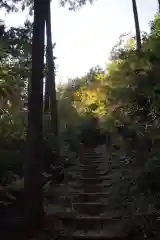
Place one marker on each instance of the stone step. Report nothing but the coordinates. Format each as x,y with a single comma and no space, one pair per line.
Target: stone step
100,166
101,234
99,172
92,180
99,179
84,173
93,165
110,204
95,174
90,194
80,177
92,158
108,191
89,208
81,173
92,222
87,174
91,188
94,170
80,166
92,153
114,175
90,197
104,185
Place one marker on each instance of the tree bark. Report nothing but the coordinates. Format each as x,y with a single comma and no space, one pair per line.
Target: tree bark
159,6
1,29
47,89
33,180
51,80
137,27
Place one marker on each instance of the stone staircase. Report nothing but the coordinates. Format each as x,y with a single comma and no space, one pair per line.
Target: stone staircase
93,199
95,189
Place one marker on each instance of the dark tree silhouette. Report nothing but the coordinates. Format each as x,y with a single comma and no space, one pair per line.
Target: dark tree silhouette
33,180
1,28
75,4
47,89
136,19
159,6
51,101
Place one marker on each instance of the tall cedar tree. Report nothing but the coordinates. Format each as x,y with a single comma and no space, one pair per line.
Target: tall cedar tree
136,19
159,6
1,28
51,100
33,179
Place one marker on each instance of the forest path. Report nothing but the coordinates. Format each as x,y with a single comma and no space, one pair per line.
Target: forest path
98,197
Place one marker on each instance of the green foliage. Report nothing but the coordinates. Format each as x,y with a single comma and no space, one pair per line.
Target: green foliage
75,4
16,5
21,5
125,99
12,157
15,61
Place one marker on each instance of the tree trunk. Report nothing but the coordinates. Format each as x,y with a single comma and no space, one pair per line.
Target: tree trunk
47,89
1,28
159,6
46,99
138,34
51,80
33,180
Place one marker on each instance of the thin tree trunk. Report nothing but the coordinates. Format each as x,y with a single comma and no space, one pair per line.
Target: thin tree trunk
159,6
51,79
47,89
138,34
33,180
46,100
1,28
